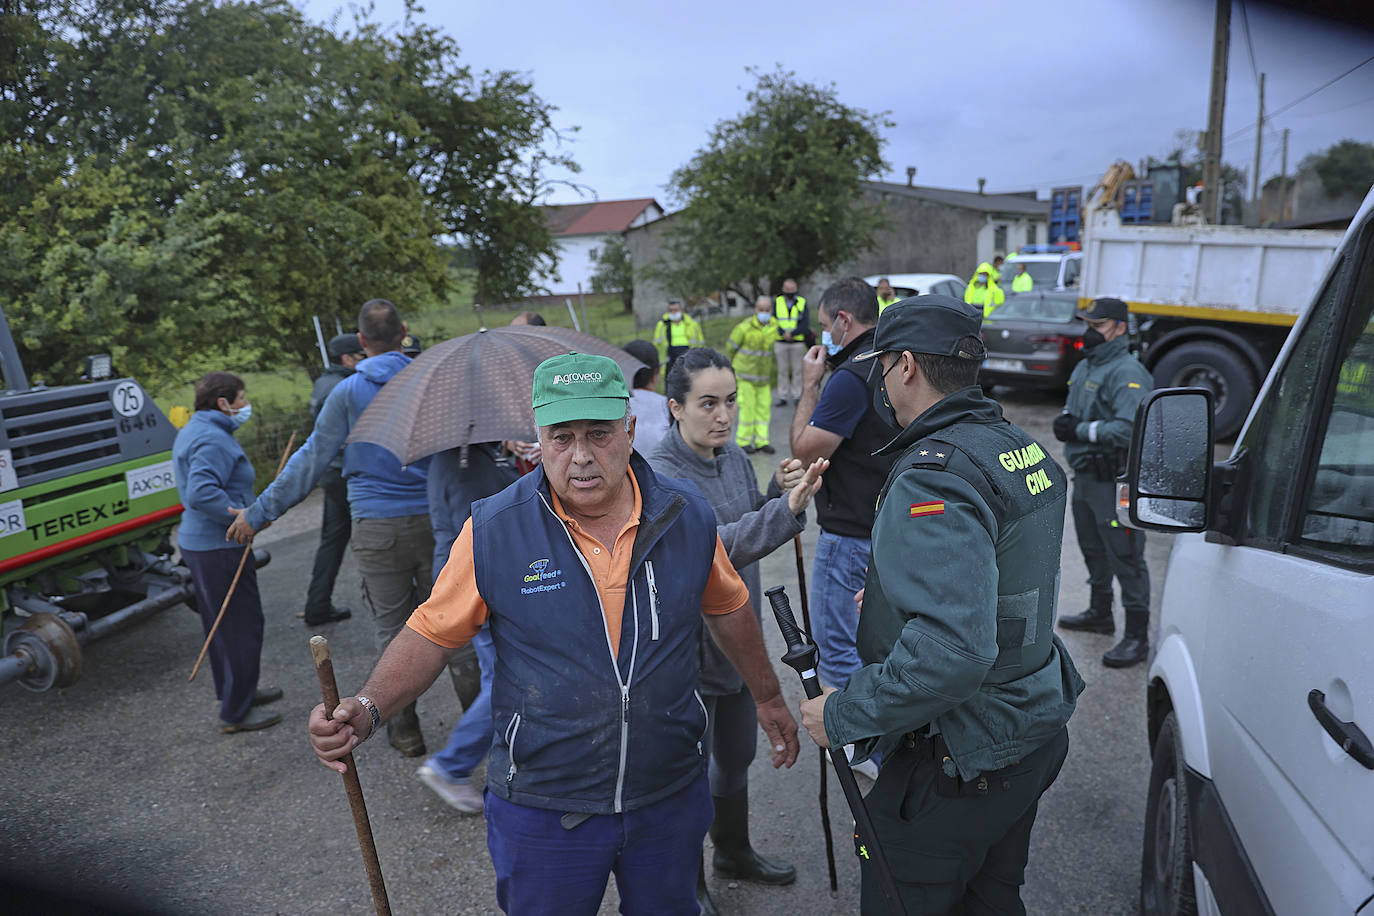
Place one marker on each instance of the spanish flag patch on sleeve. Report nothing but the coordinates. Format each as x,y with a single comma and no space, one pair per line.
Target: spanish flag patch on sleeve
931,508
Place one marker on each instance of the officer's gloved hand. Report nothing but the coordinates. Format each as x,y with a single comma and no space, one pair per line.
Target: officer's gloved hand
1066,427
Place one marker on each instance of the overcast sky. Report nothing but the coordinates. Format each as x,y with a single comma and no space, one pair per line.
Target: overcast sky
1026,95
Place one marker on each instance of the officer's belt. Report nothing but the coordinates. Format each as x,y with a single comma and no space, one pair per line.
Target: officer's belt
926,747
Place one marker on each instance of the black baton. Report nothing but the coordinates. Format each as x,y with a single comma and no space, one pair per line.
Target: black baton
801,656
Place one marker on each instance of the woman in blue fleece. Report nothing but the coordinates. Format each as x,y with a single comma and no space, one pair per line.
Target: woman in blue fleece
213,474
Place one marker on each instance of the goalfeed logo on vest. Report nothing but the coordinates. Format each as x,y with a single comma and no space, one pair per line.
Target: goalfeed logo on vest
536,580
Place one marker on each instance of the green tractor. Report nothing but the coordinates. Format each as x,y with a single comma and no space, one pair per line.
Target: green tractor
88,502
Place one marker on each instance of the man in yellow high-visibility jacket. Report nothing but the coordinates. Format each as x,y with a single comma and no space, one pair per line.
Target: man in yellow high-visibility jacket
675,334
751,354
794,325
886,295
1022,282
984,292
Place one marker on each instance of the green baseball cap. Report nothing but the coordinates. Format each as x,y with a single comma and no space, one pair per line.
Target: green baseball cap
578,386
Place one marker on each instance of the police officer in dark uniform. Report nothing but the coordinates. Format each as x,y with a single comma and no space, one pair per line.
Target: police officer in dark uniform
336,525
965,689
1095,427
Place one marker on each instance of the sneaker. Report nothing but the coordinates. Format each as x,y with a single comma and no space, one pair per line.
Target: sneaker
463,797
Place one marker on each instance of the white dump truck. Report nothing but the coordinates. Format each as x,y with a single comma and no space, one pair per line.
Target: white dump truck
1212,305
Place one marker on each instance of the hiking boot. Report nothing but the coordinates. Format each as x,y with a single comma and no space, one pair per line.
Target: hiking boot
734,856
1097,618
1134,648
403,731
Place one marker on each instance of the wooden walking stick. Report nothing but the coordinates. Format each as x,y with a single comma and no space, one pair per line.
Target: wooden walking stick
324,668
825,792
247,549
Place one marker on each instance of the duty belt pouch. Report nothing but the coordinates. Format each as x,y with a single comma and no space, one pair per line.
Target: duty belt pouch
952,786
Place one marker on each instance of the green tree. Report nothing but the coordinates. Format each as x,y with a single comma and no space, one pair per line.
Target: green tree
775,193
613,270
1347,168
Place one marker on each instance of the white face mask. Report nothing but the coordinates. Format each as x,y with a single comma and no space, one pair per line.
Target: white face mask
674,316
240,416
764,317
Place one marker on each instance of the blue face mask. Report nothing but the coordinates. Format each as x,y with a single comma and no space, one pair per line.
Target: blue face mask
764,317
828,341
240,416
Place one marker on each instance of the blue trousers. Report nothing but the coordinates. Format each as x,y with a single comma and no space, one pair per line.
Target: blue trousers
471,737
654,853
839,571
236,650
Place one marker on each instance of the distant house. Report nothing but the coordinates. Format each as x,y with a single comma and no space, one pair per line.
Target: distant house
930,230
579,229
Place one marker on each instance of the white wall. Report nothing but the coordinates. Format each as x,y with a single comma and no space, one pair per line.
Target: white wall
574,263
1018,230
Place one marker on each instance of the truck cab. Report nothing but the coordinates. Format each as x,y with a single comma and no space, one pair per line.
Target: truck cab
1260,703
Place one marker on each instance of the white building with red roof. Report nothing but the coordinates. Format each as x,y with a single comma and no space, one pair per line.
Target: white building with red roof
580,229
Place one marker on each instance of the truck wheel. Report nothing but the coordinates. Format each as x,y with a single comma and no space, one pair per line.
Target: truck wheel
1201,364
1166,863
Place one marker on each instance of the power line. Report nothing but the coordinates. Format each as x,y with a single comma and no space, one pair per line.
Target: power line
1249,44
1302,98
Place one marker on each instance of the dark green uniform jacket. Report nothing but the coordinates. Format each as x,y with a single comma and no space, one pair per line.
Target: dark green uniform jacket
956,631
1104,391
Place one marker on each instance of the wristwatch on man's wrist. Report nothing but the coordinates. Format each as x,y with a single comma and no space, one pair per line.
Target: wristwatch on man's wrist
371,708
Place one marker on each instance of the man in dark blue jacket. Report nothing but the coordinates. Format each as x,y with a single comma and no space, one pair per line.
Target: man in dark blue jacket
594,575
392,539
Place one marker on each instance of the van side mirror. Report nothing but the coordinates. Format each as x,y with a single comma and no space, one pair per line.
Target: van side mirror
1169,470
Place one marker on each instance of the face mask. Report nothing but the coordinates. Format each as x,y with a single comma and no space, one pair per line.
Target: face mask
1092,337
764,317
881,405
240,416
674,316
827,341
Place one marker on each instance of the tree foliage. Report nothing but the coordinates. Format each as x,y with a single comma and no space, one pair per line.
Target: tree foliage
188,181
776,192
613,270
1347,168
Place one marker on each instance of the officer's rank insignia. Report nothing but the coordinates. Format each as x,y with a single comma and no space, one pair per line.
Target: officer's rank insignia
931,508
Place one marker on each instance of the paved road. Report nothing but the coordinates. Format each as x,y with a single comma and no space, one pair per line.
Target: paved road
121,785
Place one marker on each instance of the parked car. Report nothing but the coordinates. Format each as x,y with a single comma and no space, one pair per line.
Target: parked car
905,285
1033,341
1260,695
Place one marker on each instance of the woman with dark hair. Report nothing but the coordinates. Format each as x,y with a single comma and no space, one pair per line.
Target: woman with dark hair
699,446
215,480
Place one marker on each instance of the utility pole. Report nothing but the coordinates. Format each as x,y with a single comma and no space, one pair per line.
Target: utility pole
1259,143
1283,180
1216,107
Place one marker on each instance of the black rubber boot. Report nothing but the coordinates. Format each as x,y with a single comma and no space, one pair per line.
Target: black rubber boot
1135,646
734,857
403,730
1097,618
708,906
466,675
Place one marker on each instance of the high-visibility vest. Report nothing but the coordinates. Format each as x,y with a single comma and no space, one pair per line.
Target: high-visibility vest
788,316
1022,283
884,303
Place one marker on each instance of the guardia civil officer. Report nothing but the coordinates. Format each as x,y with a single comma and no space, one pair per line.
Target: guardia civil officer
965,688
1095,427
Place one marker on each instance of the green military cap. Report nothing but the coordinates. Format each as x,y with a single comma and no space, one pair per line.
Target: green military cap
1105,307
928,324
578,386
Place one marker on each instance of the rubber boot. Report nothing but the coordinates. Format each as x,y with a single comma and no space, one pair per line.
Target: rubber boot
466,675
708,906
1135,646
1098,617
403,730
734,857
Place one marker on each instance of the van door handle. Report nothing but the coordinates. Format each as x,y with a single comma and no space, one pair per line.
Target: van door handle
1347,734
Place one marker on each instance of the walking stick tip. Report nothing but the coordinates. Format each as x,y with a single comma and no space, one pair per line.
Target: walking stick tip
319,649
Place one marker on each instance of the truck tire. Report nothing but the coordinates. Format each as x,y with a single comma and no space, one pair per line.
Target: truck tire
1219,369
1166,862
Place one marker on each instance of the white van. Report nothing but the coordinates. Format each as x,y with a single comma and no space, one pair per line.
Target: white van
1261,690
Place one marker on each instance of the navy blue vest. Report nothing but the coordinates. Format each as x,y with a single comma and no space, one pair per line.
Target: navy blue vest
575,728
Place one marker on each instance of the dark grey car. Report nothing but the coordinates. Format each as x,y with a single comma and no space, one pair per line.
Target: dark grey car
1033,341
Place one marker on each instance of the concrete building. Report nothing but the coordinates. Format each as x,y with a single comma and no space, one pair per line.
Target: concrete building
580,229
930,230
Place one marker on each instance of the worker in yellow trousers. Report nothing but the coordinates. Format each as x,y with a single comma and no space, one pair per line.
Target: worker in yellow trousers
751,354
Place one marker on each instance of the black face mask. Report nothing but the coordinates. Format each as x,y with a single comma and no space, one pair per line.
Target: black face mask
1092,337
881,405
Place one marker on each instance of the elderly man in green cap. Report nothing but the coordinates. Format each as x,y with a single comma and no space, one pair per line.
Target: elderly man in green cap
965,689
595,576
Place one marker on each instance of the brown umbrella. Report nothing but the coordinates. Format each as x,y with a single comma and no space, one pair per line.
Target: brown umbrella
471,389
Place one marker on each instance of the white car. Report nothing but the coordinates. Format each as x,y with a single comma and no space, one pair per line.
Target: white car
905,285
1048,270
1260,701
